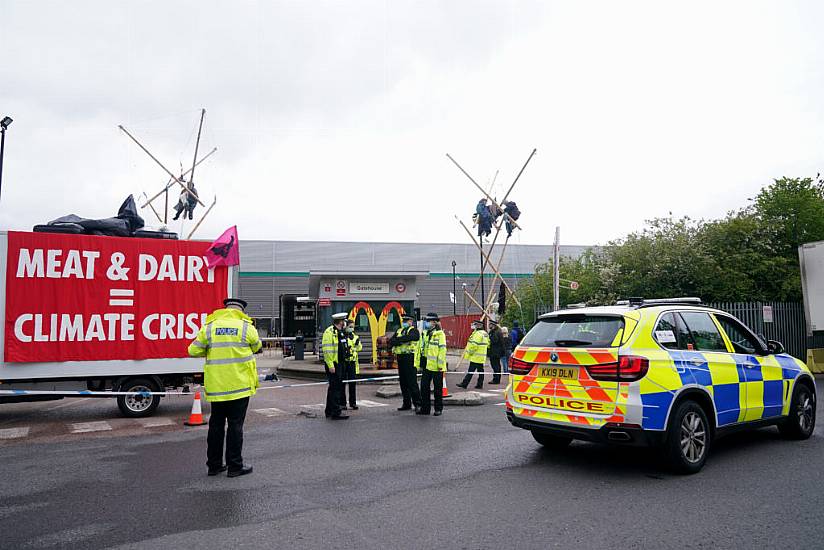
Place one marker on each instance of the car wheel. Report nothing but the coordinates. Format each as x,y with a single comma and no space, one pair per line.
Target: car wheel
552,441
800,423
688,438
138,404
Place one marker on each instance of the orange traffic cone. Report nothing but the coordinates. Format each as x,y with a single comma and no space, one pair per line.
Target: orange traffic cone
196,418
445,392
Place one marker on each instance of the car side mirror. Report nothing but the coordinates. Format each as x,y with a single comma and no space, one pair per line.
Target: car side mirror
775,347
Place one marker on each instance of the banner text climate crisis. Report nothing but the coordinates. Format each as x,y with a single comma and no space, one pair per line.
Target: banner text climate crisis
86,298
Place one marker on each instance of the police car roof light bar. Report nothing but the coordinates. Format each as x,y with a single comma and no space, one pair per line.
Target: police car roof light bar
683,301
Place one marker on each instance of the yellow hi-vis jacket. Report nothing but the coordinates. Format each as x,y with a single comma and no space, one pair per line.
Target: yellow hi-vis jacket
228,341
355,347
420,350
476,347
406,347
435,350
329,347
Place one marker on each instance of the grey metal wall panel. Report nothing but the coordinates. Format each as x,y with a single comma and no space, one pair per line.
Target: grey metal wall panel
259,292
434,294
303,256
288,285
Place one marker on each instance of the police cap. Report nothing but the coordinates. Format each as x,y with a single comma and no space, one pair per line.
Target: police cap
339,316
235,302
432,317
407,317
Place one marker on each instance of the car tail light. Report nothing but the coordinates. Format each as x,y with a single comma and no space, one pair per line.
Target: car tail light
519,367
628,369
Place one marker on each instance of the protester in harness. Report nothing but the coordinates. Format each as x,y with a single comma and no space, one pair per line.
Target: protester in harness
483,218
512,212
186,202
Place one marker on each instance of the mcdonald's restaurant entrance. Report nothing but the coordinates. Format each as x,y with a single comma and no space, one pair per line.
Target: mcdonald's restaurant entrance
375,300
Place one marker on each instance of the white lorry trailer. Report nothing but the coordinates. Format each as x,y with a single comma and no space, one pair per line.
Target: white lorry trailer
89,315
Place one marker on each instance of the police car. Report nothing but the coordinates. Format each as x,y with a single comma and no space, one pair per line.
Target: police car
666,373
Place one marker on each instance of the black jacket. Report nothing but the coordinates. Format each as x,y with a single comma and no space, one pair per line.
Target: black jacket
496,343
412,336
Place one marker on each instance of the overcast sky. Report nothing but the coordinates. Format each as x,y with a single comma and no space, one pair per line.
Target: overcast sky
332,119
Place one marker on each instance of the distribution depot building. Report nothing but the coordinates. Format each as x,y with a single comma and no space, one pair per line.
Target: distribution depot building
383,278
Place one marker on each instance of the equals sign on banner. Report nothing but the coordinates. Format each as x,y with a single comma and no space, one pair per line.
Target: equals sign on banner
121,297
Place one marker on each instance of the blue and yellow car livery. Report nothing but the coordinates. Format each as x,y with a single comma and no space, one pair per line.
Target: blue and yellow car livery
620,374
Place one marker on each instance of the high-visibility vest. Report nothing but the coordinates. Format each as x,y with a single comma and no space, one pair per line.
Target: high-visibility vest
228,341
355,346
476,347
329,347
436,350
420,350
406,347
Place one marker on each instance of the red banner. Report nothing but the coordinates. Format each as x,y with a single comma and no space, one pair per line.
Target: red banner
86,298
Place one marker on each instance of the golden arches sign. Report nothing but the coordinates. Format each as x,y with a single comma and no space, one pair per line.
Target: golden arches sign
377,327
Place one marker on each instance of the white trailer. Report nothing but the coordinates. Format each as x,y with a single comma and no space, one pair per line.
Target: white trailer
141,378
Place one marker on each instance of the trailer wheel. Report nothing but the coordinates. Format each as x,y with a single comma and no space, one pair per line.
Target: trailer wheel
138,404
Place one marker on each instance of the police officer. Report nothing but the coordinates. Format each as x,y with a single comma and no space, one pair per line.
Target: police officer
228,340
404,343
496,350
433,362
335,348
475,353
351,366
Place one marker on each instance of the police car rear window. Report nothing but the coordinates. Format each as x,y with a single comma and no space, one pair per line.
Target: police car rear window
575,331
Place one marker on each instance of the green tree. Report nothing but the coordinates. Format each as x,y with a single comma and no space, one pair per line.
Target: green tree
749,255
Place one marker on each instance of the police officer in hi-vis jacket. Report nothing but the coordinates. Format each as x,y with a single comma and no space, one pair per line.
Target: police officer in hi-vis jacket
228,341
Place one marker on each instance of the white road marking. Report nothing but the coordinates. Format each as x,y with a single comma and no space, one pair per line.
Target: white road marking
155,422
366,403
501,403
270,412
317,406
486,394
84,427
14,433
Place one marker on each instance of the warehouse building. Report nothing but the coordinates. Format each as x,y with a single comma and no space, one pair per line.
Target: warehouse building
378,279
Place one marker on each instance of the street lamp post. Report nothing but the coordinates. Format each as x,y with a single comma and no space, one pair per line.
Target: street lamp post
5,123
454,291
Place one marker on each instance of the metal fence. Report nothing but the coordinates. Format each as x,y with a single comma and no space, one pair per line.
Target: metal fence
788,324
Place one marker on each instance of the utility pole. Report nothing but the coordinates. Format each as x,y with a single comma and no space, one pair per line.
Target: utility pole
483,299
3,125
454,291
556,269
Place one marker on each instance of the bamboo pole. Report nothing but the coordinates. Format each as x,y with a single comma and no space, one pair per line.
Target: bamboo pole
532,154
488,260
202,218
183,185
474,301
498,274
482,190
153,209
197,144
170,182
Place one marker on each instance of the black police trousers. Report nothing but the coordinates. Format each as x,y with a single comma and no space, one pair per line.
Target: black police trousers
223,412
429,378
333,392
349,374
408,379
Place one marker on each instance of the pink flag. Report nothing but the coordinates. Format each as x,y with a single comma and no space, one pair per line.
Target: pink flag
224,251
